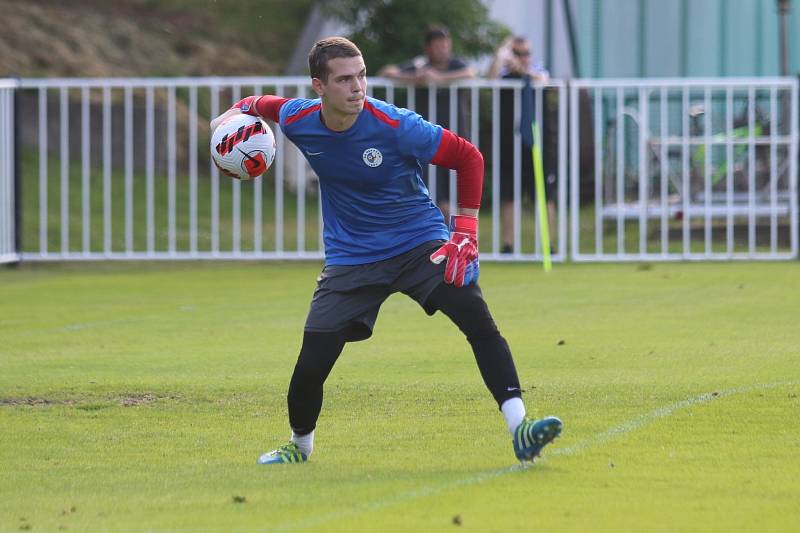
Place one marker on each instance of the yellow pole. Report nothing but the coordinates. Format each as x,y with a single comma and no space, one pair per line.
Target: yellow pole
541,201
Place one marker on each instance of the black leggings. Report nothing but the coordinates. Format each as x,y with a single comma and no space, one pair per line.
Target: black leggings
464,306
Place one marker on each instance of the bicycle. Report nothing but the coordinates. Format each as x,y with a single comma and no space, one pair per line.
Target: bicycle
679,156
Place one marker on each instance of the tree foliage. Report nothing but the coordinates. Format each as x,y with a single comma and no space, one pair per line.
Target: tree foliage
392,31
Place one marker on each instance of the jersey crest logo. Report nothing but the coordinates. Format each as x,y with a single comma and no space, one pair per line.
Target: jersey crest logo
372,157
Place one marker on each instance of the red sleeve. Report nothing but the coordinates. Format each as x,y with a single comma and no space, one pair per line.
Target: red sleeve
458,153
266,106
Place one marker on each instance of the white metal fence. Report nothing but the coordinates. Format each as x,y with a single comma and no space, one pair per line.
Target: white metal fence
8,252
119,169
659,169
685,169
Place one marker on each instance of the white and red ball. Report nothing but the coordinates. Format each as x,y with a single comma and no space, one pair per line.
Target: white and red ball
243,147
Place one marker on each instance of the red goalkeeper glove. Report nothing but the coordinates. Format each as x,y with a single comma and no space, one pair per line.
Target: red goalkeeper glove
461,251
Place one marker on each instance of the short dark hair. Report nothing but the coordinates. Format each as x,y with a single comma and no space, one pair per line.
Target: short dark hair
436,32
326,49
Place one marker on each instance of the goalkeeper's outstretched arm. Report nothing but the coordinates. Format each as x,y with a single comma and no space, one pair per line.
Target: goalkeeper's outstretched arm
267,106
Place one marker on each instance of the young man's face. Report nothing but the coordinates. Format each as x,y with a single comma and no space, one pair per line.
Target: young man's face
438,50
346,86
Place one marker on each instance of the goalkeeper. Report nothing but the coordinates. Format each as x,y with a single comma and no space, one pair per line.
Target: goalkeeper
383,234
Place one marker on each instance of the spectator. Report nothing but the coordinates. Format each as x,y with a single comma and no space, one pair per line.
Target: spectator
437,67
513,60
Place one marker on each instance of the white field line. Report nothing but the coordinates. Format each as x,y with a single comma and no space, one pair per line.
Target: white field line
610,434
661,412
94,324
80,326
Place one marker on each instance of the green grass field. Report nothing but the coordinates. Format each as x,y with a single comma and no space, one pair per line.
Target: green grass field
138,396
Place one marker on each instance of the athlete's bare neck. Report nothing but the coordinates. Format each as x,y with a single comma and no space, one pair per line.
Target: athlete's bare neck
337,121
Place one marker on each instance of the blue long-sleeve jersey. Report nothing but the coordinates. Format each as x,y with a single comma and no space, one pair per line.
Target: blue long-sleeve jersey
374,202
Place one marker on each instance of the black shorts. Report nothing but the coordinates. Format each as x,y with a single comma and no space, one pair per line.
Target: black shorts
350,296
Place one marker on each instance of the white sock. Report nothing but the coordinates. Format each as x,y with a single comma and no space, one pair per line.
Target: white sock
305,443
514,412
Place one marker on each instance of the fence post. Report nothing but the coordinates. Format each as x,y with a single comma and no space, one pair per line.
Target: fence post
17,151
9,182
793,131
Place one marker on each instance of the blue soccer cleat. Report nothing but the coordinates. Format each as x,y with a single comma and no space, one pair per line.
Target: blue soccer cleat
288,453
531,436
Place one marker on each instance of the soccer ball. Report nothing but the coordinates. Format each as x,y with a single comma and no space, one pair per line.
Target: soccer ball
243,147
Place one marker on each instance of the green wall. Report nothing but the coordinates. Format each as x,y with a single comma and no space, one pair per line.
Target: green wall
658,38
